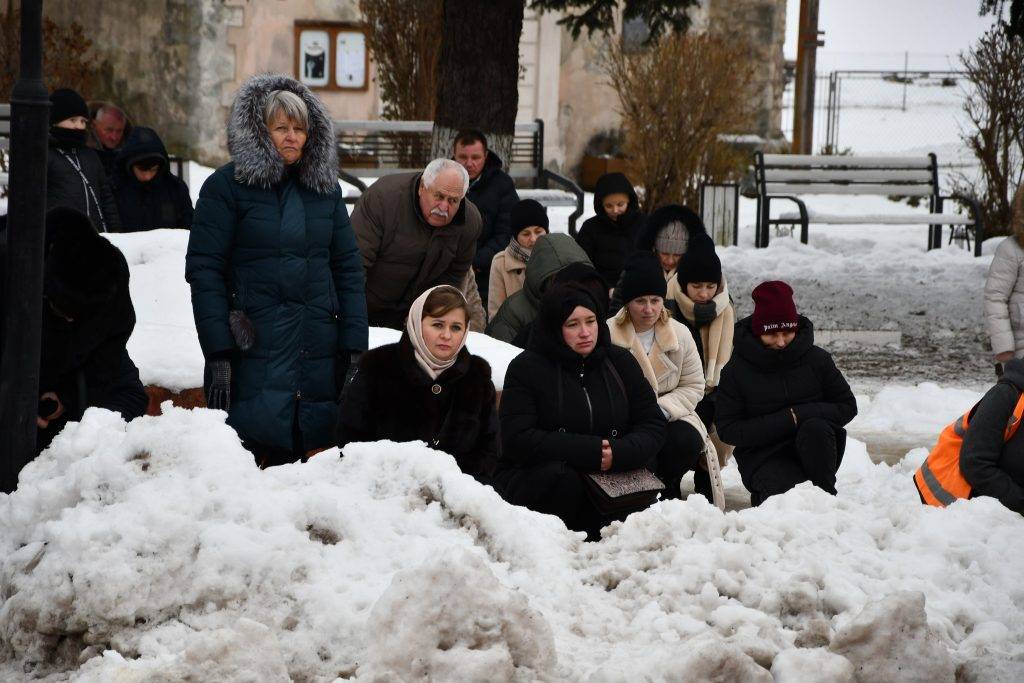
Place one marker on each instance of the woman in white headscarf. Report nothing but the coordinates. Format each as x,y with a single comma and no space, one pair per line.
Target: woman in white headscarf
427,387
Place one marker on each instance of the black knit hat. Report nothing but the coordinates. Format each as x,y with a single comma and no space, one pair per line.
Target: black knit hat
65,103
528,213
700,263
642,276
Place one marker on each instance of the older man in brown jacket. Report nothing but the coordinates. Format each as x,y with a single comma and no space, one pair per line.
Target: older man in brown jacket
415,231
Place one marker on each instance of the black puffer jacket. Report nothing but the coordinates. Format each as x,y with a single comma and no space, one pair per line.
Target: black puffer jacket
87,319
65,186
992,467
608,242
494,194
163,202
391,397
558,406
758,388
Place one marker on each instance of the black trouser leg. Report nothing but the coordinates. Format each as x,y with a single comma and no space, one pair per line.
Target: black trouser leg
776,476
817,452
554,488
680,454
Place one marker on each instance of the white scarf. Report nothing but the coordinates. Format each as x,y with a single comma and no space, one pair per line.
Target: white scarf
414,328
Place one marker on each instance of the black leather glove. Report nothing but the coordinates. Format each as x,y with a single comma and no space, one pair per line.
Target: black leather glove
218,385
704,313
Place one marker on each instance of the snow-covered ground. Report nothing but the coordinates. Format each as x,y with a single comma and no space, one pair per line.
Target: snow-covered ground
157,551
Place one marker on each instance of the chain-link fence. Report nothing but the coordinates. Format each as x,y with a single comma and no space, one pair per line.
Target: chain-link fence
888,112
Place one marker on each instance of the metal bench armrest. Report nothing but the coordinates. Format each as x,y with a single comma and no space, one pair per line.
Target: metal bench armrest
572,187
352,180
974,207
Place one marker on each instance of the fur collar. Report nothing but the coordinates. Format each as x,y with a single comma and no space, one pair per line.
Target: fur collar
257,163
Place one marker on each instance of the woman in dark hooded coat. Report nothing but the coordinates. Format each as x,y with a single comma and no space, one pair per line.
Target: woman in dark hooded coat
609,236
87,319
573,403
276,276
148,195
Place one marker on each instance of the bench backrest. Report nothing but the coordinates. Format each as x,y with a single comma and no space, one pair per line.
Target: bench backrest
372,149
796,174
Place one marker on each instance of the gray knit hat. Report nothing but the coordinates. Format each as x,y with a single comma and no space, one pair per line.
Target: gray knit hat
672,239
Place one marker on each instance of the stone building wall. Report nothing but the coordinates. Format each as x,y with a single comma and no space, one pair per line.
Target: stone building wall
176,64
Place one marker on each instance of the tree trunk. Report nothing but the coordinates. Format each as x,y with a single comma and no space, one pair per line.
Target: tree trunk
478,73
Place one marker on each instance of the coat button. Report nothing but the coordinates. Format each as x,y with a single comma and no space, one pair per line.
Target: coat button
436,389
298,395
615,432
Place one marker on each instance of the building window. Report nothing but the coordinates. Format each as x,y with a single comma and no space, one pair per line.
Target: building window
331,55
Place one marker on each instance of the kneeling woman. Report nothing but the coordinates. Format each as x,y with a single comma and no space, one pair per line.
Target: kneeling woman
670,361
782,401
573,404
427,387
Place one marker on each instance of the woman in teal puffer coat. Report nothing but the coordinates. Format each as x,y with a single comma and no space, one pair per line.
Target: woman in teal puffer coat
276,276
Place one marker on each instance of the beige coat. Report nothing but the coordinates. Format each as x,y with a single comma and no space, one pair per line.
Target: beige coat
672,368
507,276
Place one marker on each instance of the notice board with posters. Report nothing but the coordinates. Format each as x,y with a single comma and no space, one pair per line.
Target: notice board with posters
332,55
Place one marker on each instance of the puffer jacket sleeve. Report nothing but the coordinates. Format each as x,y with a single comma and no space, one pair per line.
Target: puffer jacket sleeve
110,212
1002,278
356,418
983,446
184,202
735,427
839,406
206,263
349,282
523,439
682,401
504,325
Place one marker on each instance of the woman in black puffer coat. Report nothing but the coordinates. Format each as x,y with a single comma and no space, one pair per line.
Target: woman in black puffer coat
610,236
782,402
427,387
573,404
75,176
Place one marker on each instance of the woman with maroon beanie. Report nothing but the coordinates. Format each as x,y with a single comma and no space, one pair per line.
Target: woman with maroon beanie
782,402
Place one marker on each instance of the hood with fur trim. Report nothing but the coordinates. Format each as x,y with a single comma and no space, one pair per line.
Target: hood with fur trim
257,163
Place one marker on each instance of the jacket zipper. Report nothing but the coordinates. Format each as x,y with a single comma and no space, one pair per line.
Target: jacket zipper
586,395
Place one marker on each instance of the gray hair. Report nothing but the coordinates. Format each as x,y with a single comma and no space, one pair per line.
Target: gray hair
438,166
288,103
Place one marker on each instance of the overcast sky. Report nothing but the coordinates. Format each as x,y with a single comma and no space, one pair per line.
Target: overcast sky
874,34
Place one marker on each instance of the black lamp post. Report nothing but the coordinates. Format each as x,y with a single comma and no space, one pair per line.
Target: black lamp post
19,369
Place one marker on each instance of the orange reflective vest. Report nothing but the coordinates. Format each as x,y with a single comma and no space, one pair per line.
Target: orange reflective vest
938,479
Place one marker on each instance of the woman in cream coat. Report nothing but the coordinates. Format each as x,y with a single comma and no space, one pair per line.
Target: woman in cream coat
1004,290
668,356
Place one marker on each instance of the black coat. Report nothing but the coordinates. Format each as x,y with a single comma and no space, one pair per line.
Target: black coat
609,242
557,407
759,386
494,194
391,397
65,187
163,202
991,466
87,319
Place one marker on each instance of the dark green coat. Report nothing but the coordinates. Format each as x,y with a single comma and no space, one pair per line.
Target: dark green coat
288,258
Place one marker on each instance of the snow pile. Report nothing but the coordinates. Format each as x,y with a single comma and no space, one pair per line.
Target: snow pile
922,410
158,550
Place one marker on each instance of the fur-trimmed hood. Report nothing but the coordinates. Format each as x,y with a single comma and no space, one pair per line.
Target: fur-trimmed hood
257,163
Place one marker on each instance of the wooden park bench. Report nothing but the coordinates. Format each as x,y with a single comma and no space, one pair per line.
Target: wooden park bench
373,149
787,176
